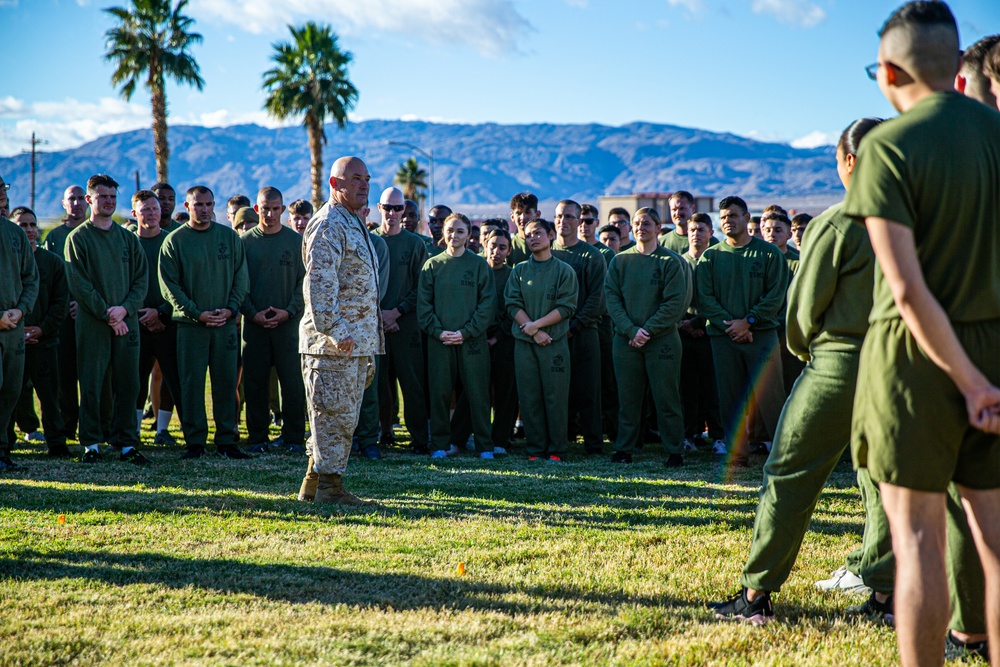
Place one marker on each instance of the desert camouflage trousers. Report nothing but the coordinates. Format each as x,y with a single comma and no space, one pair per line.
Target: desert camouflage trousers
334,388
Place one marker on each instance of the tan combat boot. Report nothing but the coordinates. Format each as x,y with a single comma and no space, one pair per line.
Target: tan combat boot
307,492
331,490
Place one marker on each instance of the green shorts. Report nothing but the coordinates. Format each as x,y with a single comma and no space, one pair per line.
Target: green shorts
910,425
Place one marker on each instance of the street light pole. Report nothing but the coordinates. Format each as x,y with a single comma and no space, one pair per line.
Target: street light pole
427,154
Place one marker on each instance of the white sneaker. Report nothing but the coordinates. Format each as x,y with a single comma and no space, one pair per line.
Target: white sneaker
720,448
843,580
499,451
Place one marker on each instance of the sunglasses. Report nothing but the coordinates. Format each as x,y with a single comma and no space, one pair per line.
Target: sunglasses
392,207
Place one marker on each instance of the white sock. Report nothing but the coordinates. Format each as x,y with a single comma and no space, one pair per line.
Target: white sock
126,450
93,448
163,420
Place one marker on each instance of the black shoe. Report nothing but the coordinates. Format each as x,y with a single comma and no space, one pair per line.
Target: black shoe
760,448
594,450
387,439
164,438
738,608
421,450
7,465
232,452
621,457
675,461
59,452
278,443
956,649
371,452
90,456
296,449
133,456
259,448
873,608
194,452
519,432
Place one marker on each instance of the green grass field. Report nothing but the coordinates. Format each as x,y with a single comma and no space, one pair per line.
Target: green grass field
586,563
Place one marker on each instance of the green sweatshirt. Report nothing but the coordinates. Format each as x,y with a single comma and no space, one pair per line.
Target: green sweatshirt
518,250
538,288
52,305
831,297
407,254
607,253
18,274
502,322
650,292
792,258
456,294
275,272
591,270
748,281
105,268
680,244
203,270
155,297
55,240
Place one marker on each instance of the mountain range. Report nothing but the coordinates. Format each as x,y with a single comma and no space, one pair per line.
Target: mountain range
474,165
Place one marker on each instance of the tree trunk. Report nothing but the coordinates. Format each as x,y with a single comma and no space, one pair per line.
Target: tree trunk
161,148
315,131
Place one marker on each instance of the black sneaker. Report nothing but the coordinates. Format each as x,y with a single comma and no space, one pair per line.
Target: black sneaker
7,465
621,457
956,649
232,452
259,448
91,456
59,452
133,456
675,461
875,609
164,438
296,449
194,452
738,608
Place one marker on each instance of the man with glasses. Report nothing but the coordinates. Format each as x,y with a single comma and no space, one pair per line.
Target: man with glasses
621,219
590,220
41,336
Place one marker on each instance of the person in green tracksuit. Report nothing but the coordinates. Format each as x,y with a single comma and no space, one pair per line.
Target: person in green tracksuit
741,285
455,305
203,274
107,273
584,341
272,310
541,297
18,292
682,207
828,307
648,291
403,357
366,433
776,228
523,209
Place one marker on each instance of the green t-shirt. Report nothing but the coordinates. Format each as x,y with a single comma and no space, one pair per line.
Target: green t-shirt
456,294
651,292
407,254
538,288
936,170
831,297
275,272
591,270
105,268
738,282
203,270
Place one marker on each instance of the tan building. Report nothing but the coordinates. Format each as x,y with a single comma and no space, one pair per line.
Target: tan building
660,201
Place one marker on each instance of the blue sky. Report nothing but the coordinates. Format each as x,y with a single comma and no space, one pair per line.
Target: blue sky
781,70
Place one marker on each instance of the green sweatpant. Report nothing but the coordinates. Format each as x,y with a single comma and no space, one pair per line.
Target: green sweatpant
469,363
744,371
813,431
41,370
609,387
367,431
656,365
585,392
875,561
201,349
262,349
543,379
101,354
966,581
504,398
404,356
11,373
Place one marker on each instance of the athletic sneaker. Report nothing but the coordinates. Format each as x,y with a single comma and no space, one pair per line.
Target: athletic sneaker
133,456
232,452
689,445
194,452
956,649
675,461
843,580
439,454
90,456
296,449
760,448
719,448
532,457
621,457
486,455
499,451
258,448
739,608
35,436
873,608
372,452
59,452
555,459
164,438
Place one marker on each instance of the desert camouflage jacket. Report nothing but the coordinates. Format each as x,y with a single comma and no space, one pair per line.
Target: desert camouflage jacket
341,286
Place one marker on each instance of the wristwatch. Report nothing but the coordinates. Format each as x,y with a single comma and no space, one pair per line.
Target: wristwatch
751,320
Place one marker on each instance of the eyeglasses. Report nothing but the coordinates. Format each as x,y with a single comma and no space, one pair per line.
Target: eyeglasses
392,207
872,70
6,186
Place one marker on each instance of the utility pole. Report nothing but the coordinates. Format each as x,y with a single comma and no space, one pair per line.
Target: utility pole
34,142
137,188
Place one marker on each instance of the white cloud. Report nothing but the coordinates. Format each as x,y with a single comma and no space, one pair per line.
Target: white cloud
815,139
492,27
797,12
693,6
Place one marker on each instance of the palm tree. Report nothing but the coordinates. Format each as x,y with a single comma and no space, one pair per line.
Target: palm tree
412,179
311,79
152,42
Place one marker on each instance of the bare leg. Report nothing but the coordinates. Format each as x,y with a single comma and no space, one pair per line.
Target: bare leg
983,509
916,520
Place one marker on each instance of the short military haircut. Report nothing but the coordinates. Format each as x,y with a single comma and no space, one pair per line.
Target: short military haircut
141,196
921,38
100,181
442,208
683,194
461,217
161,185
974,56
701,219
780,219
618,210
732,202
651,212
991,64
22,210
611,229
802,219
569,202
588,209
181,216
236,202
301,207
524,201
494,222
774,208
268,192
203,190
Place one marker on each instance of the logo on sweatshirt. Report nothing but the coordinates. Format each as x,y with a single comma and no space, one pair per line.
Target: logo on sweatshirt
223,251
286,258
558,364
467,280
657,278
757,269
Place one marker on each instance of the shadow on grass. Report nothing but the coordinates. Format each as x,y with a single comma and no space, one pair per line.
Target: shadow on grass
312,583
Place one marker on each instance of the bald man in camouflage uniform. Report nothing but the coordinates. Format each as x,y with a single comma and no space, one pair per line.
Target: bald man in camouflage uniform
341,329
